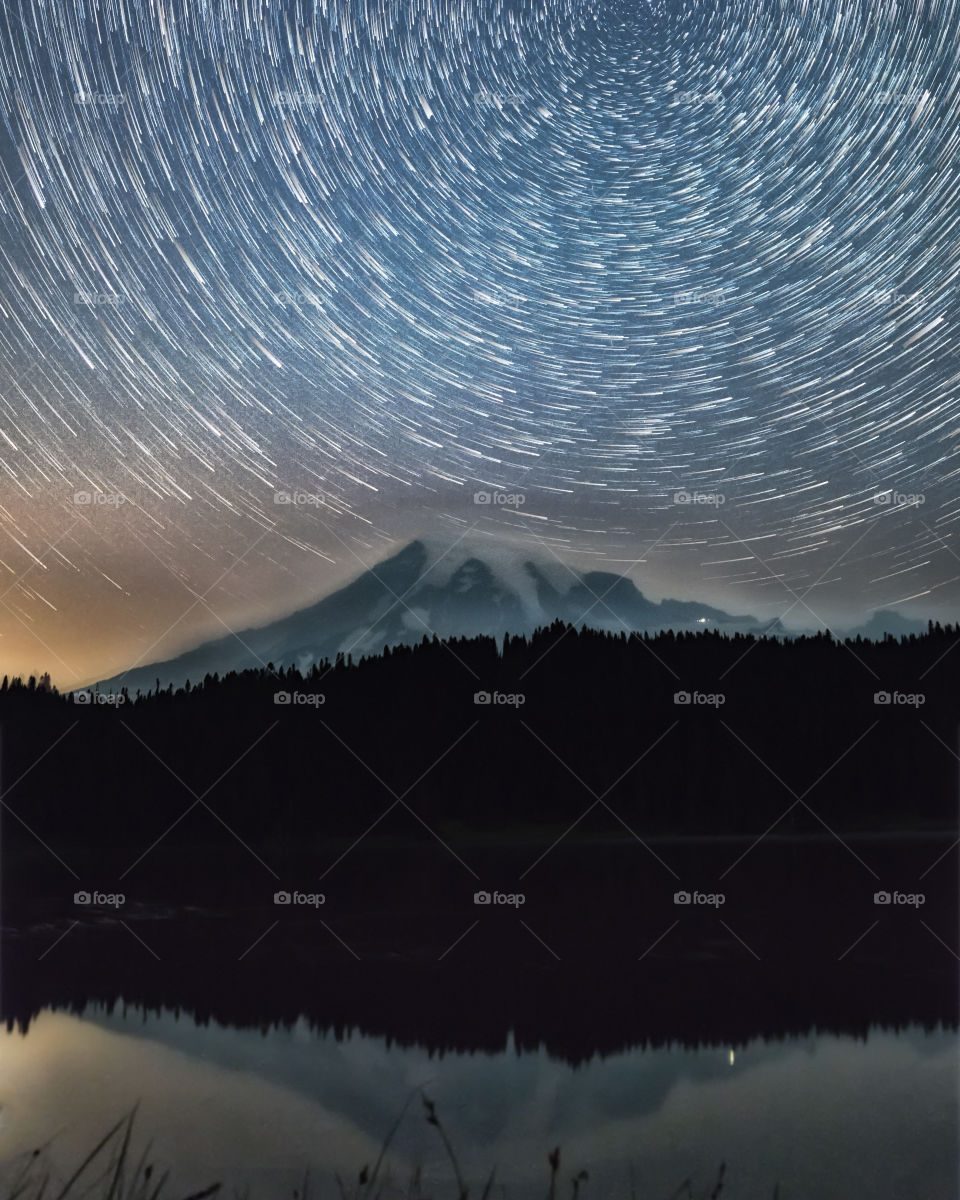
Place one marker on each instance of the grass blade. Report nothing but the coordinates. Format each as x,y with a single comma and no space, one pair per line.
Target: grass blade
386,1142
89,1159
122,1156
207,1191
487,1187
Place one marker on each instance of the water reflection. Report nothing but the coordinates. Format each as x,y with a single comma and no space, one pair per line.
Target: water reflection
830,1116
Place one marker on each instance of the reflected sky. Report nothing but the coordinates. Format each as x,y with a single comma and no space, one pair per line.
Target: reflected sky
826,1116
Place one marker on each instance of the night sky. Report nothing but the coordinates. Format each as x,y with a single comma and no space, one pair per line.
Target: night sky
381,255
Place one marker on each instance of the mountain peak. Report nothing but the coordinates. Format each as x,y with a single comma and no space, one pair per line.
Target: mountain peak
462,588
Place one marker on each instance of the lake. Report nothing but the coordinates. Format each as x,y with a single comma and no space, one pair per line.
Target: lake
799,1030
827,1116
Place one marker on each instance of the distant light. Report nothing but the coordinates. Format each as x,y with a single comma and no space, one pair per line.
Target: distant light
701,620
731,1058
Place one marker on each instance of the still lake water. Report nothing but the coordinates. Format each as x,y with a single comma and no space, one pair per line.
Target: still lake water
803,1034
827,1116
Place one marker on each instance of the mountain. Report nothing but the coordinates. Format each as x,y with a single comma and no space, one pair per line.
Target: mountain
425,589
887,620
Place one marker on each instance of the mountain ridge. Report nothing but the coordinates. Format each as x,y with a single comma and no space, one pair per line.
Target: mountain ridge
460,591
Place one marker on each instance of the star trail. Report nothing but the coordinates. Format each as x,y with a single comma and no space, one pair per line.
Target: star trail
680,273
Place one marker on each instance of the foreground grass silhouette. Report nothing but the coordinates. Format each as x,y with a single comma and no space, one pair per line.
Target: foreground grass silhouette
109,1173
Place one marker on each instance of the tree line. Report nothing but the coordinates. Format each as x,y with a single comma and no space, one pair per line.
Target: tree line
681,732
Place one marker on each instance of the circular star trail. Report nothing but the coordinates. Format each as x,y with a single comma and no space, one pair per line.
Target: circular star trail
600,253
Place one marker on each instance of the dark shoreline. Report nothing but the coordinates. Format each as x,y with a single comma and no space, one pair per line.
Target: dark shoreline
573,1016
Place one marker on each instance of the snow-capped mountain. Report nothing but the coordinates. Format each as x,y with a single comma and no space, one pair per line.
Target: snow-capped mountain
429,589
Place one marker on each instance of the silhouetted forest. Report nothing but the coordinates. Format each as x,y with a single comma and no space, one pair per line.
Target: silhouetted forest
398,795
794,712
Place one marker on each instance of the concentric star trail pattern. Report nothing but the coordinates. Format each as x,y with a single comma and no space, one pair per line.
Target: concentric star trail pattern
604,254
